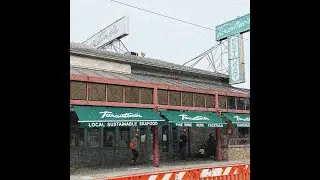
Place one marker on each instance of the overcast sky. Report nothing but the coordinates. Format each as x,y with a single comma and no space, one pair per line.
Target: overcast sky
159,37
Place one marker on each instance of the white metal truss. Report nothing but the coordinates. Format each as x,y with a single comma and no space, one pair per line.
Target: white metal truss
115,46
217,56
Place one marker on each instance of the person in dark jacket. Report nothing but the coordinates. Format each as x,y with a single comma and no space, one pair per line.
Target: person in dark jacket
211,146
182,144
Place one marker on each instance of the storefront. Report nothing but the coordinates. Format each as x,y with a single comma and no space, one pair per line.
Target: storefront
237,145
115,96
199,126
107,132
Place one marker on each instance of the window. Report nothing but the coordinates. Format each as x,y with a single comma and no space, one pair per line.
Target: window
108,137
187,99
132,95
76,133
175,133
244,132
115,93
222,102
163,97
231,103
146,96
124,136
165,136
175,139
240,103
199,100
78,90
143,134
174,98
247,104
97,92
241,136
94,135
224,138
210,101
80,142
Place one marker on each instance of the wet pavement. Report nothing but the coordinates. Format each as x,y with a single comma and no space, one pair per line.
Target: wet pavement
94,173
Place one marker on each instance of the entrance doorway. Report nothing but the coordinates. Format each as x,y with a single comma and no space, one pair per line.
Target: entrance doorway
200,136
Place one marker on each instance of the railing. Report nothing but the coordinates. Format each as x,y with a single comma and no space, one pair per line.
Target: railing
238,171
239,141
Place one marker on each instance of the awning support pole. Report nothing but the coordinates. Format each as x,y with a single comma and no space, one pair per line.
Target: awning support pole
218,130
155,131
155,146
219,150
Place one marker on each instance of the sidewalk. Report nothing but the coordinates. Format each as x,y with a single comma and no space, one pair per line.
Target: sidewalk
87,173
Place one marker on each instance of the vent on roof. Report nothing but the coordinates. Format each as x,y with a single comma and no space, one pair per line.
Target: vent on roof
136,54
132,53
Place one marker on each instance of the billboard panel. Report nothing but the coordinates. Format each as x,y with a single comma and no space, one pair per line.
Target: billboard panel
239,25
116,30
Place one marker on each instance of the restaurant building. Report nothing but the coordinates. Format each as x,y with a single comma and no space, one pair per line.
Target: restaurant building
114,96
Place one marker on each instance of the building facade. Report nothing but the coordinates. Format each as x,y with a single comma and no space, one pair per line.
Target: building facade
148,96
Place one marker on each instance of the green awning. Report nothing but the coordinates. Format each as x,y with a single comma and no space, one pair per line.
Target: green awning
94,116
193,119
239,120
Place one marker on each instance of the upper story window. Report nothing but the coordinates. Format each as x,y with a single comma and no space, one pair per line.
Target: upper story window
210,101
132,95
199,100
146,96
240,103
78,90
247,103
163,97
115,93
222,102
174,98
231,103
187,99
97,92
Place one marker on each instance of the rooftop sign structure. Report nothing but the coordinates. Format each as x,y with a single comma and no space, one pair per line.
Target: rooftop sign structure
239,25
111,33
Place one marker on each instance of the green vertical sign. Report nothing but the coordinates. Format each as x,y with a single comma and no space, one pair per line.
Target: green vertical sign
236,72
239,25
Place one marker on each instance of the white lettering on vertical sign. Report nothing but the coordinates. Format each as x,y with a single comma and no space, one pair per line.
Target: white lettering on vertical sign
233,51
235,75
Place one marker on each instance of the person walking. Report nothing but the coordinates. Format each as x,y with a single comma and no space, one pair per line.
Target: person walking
182,144
134,149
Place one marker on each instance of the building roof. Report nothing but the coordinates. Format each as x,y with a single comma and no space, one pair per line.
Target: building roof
141,76
192,83
84,50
